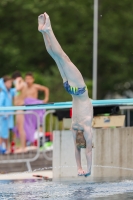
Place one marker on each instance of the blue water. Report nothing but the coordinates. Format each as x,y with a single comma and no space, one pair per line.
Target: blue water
39,190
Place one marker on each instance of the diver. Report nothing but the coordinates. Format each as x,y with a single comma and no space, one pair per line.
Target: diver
82,109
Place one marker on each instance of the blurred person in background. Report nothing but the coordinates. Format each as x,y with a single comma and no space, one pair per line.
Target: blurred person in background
32,92
33,88
21,88
27,94
6,121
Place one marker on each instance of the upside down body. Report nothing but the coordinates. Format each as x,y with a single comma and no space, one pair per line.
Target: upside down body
74,84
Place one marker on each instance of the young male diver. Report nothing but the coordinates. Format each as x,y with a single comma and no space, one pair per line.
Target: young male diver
82,110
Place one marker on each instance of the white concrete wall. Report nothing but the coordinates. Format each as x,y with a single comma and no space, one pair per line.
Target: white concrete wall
64,164
112,147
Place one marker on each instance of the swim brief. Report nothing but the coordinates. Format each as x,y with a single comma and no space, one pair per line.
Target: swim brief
74,90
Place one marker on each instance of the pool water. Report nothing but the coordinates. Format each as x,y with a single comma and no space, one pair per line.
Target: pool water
39,190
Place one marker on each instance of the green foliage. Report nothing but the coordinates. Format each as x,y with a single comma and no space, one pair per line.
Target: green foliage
22,46
115,57
54,82
89,86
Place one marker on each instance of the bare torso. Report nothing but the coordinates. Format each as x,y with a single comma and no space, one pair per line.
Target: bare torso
32,92
82,111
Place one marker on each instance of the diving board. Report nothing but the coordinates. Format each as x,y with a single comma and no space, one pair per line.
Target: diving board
62,105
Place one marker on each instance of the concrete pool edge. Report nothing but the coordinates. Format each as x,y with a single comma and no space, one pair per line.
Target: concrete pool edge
93,179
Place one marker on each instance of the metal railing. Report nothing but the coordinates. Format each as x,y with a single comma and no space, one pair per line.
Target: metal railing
128,116
26,157
20,158
44,130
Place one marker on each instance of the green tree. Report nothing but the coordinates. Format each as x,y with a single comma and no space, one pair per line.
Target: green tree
22,47
115,51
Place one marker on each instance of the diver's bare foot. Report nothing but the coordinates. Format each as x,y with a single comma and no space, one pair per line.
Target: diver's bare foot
44,23
41,22
81,172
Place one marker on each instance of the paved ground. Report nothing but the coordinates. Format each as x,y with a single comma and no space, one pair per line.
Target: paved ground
40,162
27,175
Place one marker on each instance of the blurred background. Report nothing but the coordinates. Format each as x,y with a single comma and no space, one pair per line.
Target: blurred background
22,48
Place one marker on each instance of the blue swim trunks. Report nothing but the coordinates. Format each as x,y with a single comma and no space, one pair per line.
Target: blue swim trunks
74,90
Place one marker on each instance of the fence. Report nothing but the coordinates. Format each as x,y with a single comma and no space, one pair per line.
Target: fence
19,158
30,156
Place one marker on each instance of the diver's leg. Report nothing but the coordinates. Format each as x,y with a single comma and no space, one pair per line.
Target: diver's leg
72,74
47,44
41,22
